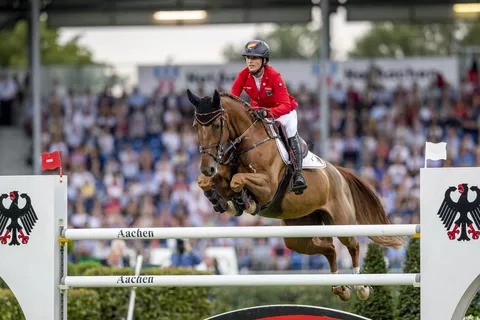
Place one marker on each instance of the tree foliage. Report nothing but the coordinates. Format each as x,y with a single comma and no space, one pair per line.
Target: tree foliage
285,42
409,300
382,40
14,48
402,40
474,308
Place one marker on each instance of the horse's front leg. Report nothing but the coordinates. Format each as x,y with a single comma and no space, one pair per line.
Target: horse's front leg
217,190
257,183
205,183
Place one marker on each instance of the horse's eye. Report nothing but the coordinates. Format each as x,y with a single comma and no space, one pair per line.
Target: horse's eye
216,126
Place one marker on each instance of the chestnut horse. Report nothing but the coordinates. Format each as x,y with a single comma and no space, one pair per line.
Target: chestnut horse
243,171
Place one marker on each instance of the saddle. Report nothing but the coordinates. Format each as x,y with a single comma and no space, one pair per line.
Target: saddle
281,132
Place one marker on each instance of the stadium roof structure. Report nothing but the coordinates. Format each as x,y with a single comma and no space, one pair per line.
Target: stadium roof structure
91,13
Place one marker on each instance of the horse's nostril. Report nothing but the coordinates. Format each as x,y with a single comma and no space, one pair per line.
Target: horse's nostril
208,171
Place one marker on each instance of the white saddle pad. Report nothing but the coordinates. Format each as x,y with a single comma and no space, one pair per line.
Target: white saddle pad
311,161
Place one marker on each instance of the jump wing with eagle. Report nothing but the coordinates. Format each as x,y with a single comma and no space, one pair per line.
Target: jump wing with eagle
475,207
10,217
3,214
448,210
27,214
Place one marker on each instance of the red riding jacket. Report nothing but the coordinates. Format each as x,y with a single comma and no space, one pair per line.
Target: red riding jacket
273,93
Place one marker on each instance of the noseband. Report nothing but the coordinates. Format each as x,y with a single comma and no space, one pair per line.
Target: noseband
227,151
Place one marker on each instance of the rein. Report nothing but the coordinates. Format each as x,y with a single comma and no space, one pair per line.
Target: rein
227,151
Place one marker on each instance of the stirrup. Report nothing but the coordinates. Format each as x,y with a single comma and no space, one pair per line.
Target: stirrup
299,189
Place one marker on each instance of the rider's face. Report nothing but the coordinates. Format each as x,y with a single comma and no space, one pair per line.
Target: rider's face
253,63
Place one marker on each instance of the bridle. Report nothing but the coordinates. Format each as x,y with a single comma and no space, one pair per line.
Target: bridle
227,152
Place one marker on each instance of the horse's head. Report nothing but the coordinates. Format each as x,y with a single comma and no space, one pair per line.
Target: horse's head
211,130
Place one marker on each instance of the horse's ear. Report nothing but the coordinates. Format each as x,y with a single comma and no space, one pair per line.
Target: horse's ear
216,99
193,98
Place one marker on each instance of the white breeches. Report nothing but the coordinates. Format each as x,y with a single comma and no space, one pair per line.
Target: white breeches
289,121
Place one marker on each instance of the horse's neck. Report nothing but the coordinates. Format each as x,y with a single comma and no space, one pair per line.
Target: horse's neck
265,154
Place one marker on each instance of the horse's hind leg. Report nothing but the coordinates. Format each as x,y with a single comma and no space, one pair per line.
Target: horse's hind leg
343,213
323,246
311,246
363,292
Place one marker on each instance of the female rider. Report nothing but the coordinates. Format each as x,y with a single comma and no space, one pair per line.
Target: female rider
266,89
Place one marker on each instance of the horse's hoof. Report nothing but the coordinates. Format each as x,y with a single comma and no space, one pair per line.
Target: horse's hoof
220,206
363,292
241,201
238,213
343,292
231,208
254,208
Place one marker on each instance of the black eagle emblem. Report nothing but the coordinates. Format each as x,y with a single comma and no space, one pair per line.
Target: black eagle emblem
9,219
463,226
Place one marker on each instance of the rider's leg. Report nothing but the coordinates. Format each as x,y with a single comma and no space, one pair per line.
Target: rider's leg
289,121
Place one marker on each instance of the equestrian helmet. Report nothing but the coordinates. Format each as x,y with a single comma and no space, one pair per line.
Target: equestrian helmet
256,48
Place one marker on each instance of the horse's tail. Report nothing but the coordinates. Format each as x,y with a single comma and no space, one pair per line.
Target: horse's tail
369,208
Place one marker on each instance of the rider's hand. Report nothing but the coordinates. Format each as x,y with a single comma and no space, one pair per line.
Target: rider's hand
262,113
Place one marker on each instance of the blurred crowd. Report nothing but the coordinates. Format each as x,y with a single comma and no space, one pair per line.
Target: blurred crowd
133,161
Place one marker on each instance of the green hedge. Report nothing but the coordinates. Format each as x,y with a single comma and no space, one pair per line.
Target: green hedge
160,303
164,303
82,304
176,303
79,269
233,298
3,285
9,307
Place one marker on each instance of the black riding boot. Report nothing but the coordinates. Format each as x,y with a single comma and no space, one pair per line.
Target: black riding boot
299,183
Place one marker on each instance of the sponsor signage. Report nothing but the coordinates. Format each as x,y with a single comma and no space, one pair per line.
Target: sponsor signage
388,72
139,233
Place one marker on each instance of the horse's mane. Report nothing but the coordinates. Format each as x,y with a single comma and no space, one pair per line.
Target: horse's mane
237,99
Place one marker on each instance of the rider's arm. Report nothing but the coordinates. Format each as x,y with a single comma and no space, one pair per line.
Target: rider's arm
237,86
282,98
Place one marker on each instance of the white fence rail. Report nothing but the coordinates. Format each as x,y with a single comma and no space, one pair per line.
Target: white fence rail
243,232
406,279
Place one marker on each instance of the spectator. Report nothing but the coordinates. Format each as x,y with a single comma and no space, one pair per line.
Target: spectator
184,256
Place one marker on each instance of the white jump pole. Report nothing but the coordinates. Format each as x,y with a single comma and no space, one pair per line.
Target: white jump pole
243,232
133,293
244,280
